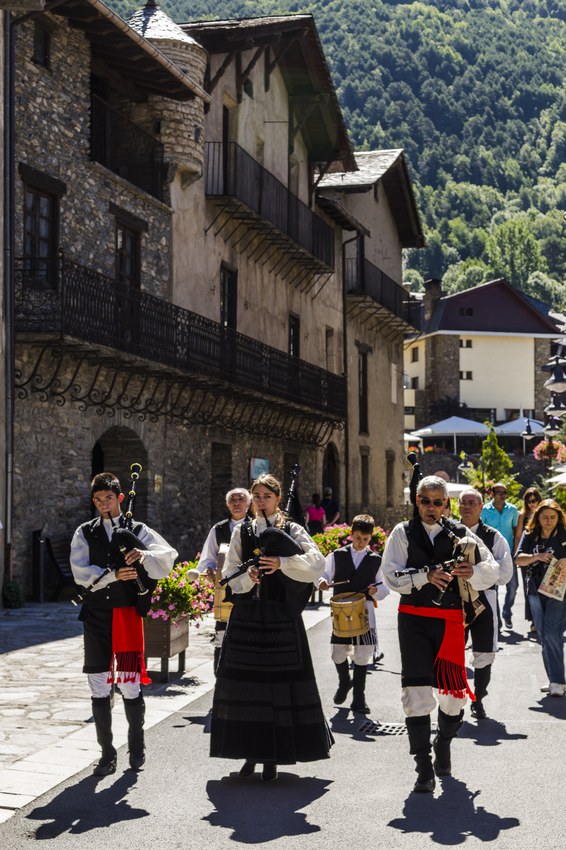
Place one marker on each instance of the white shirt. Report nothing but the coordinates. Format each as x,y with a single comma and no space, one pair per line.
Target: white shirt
158,560
209,554
502,554
358,556
396,553
307,567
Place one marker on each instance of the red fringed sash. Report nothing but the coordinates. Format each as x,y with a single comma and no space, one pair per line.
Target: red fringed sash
128,662
450,663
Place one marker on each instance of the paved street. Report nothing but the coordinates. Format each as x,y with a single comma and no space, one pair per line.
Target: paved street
508,784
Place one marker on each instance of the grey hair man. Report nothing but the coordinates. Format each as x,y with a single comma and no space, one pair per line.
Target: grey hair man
483,631
431,623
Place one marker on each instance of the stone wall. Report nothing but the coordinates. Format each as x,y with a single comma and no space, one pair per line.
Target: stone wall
442,359
542,395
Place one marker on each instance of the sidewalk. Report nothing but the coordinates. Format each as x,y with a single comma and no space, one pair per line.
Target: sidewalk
46,729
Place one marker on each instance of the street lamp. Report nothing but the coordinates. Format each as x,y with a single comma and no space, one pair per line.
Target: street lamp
553,428
557,405
527,434
557,382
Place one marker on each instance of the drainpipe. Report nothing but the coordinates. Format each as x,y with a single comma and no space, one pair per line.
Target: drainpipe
8,203
345,337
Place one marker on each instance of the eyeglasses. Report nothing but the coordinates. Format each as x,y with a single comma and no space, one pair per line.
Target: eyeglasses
424,500
533,500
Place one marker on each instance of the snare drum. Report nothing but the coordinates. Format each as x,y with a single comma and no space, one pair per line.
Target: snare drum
349,615
222,608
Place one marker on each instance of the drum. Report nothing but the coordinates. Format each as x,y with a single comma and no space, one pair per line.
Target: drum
349,615
222,608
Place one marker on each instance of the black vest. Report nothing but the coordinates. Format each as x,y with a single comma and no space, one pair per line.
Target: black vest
117,594
222,532
276,588
422,553
358,579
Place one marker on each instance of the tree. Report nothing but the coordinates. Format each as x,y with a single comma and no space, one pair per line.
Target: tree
494,465
513,252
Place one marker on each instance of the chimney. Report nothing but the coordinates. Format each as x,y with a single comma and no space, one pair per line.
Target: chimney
433,292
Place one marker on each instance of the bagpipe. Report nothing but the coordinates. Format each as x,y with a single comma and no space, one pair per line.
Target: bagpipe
464,550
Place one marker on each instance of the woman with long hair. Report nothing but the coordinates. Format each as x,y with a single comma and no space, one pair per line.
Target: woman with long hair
266,707
543,540
531,499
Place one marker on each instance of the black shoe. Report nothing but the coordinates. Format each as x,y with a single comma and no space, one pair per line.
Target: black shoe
442,764
477,710
105,766
342,693
247,768
360,707
378,657
508,623
269,772
137,762
424,786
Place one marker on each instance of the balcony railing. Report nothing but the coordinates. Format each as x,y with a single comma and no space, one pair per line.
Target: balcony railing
93,308
125,148
231,172
363,278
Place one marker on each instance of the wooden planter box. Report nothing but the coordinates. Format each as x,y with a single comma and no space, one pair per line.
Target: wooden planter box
165,639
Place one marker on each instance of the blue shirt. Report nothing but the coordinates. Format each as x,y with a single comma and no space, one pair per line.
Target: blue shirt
505,521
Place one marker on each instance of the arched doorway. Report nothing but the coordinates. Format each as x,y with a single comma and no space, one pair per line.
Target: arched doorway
115,451
331,471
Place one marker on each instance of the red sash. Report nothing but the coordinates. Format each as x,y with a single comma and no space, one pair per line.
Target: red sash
450,663
128,662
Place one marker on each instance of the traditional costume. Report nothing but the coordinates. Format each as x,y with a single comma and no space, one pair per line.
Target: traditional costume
266,706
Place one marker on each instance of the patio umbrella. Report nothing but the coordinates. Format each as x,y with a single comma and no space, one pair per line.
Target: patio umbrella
454,426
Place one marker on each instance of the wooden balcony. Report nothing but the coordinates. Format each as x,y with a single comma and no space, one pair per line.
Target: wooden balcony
386,303
252,197
89,312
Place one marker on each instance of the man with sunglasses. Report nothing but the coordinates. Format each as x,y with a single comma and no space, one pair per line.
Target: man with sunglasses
503,516
431,627
483,631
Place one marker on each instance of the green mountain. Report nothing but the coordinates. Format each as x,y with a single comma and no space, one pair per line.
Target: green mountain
474,91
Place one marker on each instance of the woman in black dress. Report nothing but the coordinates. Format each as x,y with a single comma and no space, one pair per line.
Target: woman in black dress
266,706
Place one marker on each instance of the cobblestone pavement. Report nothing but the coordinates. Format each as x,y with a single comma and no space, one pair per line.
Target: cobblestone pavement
46,729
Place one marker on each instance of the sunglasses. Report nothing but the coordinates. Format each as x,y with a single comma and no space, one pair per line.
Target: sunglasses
424,500
533,501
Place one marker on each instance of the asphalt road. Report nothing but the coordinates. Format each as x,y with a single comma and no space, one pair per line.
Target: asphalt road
509,783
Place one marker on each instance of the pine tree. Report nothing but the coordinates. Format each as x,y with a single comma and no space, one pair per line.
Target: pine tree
494,465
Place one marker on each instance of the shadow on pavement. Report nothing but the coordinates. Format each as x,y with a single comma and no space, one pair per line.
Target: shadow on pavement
452,817
345,722
276,806
82,807
553,706
489,733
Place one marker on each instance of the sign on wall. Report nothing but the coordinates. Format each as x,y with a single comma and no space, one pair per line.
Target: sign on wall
258,466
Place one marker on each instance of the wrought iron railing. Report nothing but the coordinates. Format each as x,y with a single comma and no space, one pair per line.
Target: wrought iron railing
231,172
125,148
363,278
93,308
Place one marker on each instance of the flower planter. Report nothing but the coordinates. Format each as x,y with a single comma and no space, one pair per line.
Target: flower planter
165,639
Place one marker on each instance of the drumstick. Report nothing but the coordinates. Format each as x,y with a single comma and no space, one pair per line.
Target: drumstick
336,583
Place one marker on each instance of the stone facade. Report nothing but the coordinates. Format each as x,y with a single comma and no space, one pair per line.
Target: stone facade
442,363
542,395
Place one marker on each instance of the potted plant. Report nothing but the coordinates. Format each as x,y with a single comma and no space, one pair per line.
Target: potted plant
176,601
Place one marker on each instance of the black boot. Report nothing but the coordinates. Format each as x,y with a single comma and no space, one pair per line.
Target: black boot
269,772
216,661
481,681
418,729
344,683
102,713
448,726
135,714
359,701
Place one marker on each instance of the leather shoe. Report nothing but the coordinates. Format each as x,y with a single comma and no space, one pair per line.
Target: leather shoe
137,762
424,786
105,766
477,710
269,772
247,768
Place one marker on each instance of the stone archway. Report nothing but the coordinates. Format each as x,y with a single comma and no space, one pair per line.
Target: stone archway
115,451
331,470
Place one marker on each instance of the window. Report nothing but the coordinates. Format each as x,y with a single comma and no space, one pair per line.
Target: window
363,391
364,475
414,355
329,341
409,411
466,311
42,43
41,226
228,298
414,384
465,343
466,376
294,335
127,255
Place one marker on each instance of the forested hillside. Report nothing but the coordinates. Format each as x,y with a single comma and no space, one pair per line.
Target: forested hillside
474,91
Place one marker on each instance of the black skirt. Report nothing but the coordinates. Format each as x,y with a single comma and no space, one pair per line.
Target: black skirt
266,706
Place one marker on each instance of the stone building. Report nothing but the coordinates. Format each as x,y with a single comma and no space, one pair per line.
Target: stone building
479,355
180,298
